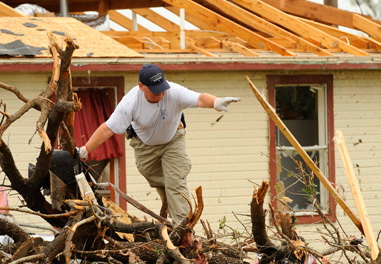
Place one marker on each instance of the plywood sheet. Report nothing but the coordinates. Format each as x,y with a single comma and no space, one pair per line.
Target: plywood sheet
32,33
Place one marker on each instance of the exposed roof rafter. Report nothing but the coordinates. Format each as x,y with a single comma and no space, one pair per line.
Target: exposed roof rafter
353,39
367,26
192,45
297,26
263,25
157,19
220,23
314,11
124,21
6,11
234,46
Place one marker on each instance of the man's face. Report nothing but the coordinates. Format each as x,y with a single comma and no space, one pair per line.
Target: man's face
150,96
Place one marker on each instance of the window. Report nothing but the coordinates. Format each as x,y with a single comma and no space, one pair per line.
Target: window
305,105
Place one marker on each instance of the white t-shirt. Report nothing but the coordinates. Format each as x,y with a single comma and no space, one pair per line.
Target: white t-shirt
154,123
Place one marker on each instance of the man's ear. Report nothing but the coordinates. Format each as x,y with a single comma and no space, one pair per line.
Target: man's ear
140,85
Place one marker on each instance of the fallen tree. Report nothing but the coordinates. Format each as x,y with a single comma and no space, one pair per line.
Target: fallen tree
89,229
85,218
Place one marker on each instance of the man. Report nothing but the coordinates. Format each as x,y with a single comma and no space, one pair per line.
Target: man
154,109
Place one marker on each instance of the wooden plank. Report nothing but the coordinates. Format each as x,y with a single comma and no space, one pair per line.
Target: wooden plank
357,195
7,11
368,26
314,11
202,24
236,47
208,43
333,31
237,40
122,216
165,51
191,44
50,14
220,23
131,42
156,43
171,34
298,26
288,43
168,40
263,25
103,8
307,159
124,21
157,19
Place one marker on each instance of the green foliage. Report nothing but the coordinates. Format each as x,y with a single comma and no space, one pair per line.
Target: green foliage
311,189
228,231
222,223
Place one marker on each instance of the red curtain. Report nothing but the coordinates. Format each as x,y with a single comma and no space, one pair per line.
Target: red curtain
95,110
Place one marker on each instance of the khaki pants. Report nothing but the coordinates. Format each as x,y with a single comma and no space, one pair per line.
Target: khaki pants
166,167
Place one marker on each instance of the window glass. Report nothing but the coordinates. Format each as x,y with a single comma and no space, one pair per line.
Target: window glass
302,110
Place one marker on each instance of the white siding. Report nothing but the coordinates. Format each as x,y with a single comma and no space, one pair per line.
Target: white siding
358,115
18,135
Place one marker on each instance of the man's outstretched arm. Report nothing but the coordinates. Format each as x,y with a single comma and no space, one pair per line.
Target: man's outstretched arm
97,138
206,100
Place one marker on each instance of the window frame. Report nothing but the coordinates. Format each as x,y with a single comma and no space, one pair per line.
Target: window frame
327,80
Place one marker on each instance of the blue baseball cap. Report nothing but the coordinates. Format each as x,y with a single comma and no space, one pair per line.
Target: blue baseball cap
153,77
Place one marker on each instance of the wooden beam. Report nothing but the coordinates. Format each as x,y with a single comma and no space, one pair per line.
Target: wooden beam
157,19
175,34
220,23
131,42
368,26
314,11
263,25
297,26
303,154
208,42
357,195
103,8
123,20
156,43
289,44
191,44
7,11
333,31
236,47
166,51
202,24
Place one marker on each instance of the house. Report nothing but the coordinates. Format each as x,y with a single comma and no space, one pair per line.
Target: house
318,77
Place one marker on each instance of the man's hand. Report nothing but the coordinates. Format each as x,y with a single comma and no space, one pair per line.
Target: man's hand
83,153
220,104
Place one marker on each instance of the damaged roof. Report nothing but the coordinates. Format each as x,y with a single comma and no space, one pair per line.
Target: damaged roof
255,28
27,36
232,29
